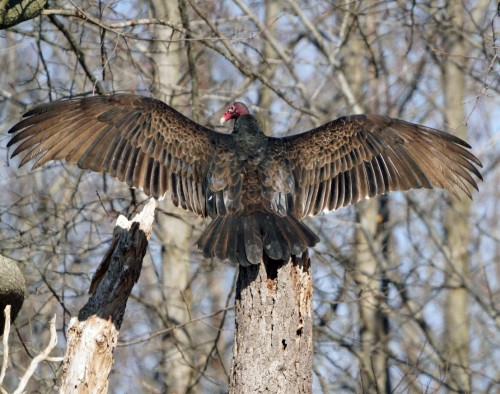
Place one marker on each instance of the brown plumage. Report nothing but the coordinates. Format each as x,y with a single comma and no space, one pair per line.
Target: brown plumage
256,188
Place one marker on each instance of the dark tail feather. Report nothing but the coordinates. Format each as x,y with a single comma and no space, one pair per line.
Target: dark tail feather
243,238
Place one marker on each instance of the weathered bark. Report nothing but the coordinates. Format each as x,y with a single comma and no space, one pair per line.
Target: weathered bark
92,336
273,347
12,289
456,310
13,12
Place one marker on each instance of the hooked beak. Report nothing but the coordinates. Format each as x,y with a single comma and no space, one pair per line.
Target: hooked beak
223,120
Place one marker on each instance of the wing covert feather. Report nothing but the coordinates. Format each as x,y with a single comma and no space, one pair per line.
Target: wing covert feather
361,156
139,140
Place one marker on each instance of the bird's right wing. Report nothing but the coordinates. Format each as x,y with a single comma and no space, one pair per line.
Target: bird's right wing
360,156
139,140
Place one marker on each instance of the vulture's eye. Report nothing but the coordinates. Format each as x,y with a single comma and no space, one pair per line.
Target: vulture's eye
232,109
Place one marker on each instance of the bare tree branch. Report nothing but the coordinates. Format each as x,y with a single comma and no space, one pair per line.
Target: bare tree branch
43,356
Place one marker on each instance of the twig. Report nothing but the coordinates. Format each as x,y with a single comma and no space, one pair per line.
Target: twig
278,48
344,83
233,57
78,52
162,332
44,355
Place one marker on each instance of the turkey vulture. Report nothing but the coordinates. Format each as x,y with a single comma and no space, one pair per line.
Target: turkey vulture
257,189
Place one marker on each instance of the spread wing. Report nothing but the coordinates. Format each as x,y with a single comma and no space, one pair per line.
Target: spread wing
139,140
361,156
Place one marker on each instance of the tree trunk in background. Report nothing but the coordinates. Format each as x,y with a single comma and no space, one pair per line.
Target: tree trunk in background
273,346
266,95
456,221
368,275
174,232
372,320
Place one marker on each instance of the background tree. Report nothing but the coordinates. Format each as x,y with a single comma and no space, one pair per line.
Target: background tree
298,64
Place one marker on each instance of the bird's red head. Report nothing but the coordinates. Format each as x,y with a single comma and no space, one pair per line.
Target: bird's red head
234,111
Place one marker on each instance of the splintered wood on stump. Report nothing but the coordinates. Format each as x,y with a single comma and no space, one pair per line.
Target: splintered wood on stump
92,336
273,346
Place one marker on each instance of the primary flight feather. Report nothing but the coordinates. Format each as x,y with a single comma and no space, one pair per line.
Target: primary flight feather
257,189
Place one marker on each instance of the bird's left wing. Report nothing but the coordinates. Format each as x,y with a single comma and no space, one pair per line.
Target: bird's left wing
360,156
139,140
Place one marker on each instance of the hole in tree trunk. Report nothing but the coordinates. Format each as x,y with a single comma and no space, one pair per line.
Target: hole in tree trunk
272,267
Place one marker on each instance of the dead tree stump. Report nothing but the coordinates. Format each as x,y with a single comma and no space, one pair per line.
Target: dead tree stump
92,336
273,346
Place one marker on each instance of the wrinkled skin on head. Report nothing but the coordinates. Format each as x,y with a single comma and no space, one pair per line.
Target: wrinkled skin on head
234,111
